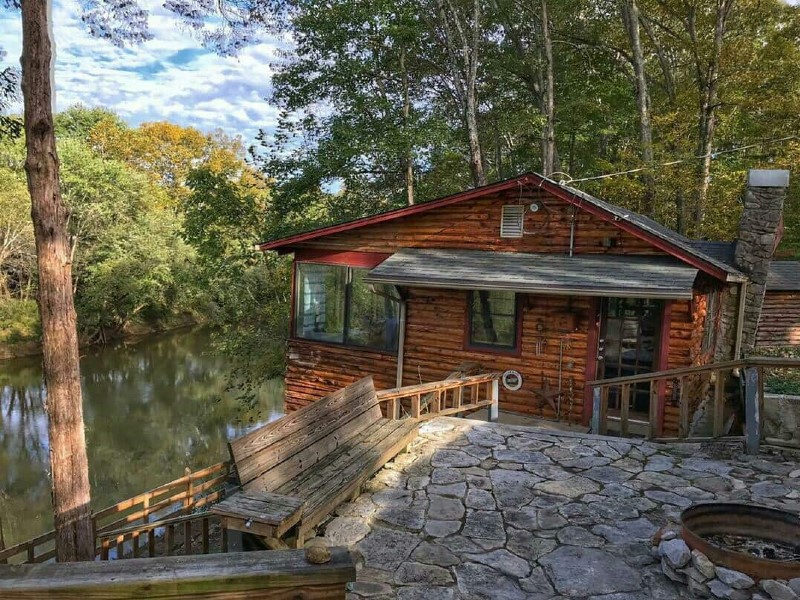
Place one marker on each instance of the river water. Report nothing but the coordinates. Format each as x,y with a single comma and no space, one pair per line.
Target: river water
151,409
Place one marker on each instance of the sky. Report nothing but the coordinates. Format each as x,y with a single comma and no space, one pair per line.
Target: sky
171,77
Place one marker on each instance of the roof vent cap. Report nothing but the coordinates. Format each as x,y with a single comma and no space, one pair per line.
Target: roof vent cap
511,221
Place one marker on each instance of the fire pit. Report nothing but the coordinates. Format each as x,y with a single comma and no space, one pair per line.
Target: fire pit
733,551
761,542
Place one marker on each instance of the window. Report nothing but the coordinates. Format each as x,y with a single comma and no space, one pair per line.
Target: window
334,304
493,319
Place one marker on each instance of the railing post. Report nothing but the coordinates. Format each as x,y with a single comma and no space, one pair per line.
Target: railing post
683,407
187,503
719,405
624,409
416,400
596,410
752,421
2,543
652,429
494,407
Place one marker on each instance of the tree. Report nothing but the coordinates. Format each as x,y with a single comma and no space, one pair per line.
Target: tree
121,22
69,464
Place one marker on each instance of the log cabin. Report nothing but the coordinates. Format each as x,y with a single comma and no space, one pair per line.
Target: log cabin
529,277
779,325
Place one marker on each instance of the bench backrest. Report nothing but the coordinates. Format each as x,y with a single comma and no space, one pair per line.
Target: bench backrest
273,454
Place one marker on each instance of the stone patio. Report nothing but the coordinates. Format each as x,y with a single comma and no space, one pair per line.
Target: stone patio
499,512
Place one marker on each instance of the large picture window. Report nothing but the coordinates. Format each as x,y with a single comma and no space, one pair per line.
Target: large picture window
493,319
334,304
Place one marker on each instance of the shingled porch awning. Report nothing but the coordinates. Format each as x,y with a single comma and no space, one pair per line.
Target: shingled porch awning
582,275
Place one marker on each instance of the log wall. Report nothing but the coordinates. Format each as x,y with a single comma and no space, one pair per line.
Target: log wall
435,347
315,369
780,319
475,224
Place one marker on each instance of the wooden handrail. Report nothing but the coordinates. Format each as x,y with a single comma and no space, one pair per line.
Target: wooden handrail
444,384
252,575
182,489
755,361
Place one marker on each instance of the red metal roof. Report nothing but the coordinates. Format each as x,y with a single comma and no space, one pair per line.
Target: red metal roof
642,227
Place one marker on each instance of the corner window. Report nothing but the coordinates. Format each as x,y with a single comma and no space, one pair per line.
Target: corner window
334,304
493,319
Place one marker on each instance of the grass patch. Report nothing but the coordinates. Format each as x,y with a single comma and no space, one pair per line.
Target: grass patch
19,321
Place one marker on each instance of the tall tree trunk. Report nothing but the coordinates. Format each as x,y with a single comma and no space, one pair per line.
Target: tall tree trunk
463,65
630,17
471,50
548,98
708,82
68,462
409,157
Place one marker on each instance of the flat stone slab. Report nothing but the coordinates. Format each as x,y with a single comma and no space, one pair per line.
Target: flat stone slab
580,572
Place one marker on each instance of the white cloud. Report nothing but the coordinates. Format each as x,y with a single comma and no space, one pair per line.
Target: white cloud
172,77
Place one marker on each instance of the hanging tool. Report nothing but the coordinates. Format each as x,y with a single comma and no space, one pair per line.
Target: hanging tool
565,341
541,340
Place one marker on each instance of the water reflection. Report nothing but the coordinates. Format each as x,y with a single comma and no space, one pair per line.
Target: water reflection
151,409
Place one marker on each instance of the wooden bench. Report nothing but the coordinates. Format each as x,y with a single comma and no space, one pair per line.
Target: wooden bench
321,455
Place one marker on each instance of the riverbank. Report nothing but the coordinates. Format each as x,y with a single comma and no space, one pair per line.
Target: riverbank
14,344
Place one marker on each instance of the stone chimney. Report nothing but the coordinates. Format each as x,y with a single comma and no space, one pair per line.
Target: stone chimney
760,231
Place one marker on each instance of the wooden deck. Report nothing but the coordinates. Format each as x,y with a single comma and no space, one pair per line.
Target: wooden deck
321,458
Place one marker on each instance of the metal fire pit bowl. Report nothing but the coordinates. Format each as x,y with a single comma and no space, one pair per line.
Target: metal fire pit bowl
758,522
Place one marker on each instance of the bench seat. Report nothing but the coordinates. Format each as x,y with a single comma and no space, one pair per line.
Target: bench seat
319,456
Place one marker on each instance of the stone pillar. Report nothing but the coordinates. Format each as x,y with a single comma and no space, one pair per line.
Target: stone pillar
760,230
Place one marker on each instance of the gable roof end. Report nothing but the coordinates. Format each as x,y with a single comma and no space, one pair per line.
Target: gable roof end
642,227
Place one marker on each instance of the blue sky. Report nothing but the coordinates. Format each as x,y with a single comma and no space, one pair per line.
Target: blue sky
172,77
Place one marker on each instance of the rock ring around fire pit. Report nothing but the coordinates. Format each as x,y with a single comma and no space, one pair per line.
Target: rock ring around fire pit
733,551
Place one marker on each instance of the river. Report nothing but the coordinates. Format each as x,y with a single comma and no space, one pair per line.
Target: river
151,409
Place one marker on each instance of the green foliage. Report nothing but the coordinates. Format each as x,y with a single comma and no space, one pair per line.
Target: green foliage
344,138
19,321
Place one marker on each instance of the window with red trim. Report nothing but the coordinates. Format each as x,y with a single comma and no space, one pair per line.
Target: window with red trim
492,316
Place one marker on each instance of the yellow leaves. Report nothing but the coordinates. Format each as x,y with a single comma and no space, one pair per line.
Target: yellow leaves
167,152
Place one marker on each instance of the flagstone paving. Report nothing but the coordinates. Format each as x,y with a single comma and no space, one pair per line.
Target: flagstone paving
480,511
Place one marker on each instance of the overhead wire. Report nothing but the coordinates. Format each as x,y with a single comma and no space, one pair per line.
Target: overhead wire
713,155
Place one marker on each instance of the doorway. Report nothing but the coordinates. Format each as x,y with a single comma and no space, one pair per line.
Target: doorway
628,345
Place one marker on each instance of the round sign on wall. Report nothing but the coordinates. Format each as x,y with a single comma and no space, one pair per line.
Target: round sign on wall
512,380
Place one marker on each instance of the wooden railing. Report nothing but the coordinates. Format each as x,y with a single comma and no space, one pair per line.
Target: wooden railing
686,389
119,528
252,575
441,398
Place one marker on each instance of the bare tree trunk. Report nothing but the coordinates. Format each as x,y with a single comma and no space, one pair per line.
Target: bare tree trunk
464,71
708,82
68,462
630,17
409,157
548,100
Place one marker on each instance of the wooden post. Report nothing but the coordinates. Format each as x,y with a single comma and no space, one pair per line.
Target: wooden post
205,535
719,404
105,544
596,410
752,421
415,406
604,410
652,429
683,408
224,538
2,543
494,407
169,540
761,382
394,409
624,407
187,503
